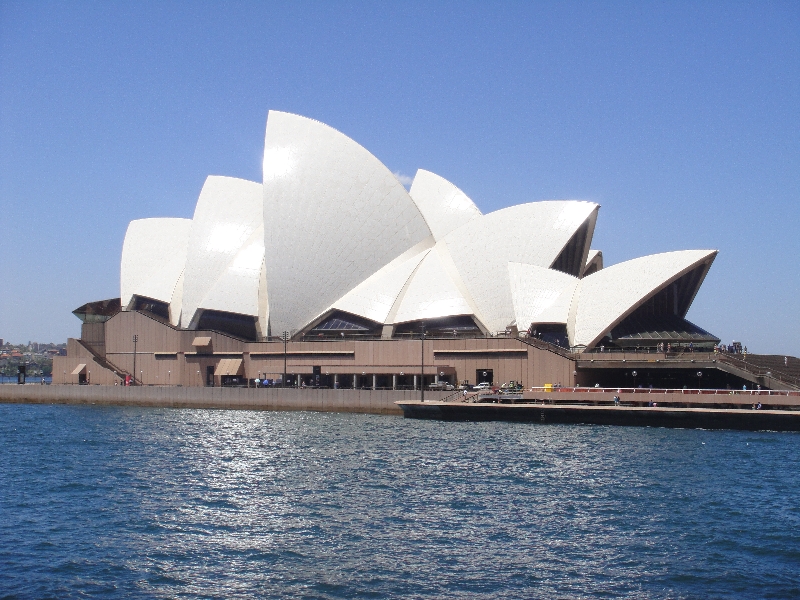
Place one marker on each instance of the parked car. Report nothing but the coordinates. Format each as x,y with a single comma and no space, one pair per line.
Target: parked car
441,385
484,385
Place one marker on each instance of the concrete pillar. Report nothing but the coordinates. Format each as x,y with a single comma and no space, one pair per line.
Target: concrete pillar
355,378
374,381
394,382
415,382
336,381
299,377
436,378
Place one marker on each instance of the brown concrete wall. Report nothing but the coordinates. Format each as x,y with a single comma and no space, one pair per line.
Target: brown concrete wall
359,401
63,366
508,358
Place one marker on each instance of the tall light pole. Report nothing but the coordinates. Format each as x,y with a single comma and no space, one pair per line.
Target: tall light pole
699,377
135,341
422,361
285,338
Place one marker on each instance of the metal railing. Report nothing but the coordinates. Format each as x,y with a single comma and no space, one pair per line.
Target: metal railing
644,391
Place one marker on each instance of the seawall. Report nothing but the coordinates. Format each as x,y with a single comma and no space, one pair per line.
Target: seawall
324,400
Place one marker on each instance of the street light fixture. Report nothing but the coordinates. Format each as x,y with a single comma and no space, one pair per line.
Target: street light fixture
634,378
135,341
699,376
285,338
422,361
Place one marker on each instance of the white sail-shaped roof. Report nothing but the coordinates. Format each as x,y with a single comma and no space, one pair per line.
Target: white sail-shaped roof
431,293
238,288
604,298
534,234
153,257
336,216
540,295
444,206
221,246
594,262
374,298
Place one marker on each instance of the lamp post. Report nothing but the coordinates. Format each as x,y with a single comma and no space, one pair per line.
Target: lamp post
422,361
699,377
634,378
141,376
169,377
135,341
285,338
88,378
199,379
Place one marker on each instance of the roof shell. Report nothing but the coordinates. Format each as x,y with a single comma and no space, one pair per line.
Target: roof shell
219,271
533,233
594,262
431,292
237,288
606,297
332,207
444,206
374,298
540,295
153,258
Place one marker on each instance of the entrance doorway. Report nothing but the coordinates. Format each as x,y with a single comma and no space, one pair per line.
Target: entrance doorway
210,376
484,376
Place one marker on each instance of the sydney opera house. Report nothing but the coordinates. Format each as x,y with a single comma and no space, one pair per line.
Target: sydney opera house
332,253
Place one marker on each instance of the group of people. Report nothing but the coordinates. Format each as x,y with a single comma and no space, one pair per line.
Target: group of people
734,348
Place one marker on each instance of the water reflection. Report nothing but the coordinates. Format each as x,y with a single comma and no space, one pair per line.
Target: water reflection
234,503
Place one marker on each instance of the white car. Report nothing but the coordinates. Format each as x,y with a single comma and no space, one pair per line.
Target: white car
482,386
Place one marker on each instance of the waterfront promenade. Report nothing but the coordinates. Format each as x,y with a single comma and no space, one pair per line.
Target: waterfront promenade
323,400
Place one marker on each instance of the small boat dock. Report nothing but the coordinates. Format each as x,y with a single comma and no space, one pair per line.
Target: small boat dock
708,409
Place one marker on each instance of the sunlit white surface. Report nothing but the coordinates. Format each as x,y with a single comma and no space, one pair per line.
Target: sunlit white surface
540,295
533,233
431,293
374,298
225,253
336,216
444,206
153,257
593,258
236,288
604,298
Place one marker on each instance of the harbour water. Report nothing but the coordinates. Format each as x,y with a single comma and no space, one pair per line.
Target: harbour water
132,502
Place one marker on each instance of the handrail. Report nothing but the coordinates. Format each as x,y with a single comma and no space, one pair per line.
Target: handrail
108,364
759,371
695,391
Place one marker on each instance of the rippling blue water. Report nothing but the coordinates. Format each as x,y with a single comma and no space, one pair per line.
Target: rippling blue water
117,502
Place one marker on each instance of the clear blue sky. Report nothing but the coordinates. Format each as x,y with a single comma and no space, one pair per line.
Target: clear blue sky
681,119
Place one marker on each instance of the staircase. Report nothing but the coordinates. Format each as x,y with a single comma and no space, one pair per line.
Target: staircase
766,367
105,363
